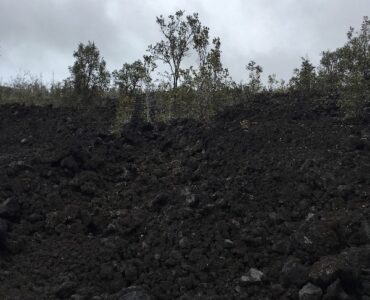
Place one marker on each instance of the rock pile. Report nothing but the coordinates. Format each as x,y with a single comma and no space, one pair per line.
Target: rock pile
186,210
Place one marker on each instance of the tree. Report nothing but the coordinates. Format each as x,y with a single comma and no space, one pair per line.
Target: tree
346,66
180,33
211,78
330,77
211,74
304,79
132,78
272,83
132,81
89,75
343,72
255,72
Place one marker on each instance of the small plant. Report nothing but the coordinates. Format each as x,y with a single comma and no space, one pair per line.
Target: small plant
245,124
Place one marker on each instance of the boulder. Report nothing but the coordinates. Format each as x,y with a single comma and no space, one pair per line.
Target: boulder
317,237
293,272
329,268
335,292
310,292
253,276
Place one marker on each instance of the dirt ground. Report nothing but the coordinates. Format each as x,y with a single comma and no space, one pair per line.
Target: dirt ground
270,201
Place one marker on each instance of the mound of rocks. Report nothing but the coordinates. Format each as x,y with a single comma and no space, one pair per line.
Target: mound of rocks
275,209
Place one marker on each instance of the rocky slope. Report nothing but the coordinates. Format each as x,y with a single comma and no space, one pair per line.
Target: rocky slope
268,202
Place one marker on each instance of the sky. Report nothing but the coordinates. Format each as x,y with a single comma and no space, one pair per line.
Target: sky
39,36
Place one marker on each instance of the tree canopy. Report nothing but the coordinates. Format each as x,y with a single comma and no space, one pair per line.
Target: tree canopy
180,34
89,75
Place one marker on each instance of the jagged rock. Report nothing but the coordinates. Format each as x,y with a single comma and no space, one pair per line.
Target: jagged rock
335,292
366,229
160,200
133,293
15,167
106,271
69,163
35,217
71,212
310,292
3,231
253,276
88,188
131,272
293,272
277,290
10,209
77,297
317,237
99,226
354,142
66,289
329,268
191,199
282,246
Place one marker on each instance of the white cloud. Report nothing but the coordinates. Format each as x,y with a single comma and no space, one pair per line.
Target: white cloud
41,35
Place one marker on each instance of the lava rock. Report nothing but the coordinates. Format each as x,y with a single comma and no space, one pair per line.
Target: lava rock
10,209
282,246
175,258
335,292
253,276
34,218
310,292
3,231
69,163
66,289
192,200
71,212
106,271
317,237
133,293
277,290
131,272
329,268
293,272
15,167
88,188
345,190
366,230
160,200
353,143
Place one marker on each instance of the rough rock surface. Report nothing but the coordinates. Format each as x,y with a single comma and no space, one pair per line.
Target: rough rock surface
310,292
184,210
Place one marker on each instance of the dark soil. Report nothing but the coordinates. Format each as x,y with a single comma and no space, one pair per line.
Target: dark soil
267,202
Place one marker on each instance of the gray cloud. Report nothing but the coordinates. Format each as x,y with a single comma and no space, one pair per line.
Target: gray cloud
41,35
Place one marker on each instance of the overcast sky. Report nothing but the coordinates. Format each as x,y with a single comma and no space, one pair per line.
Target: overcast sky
40,35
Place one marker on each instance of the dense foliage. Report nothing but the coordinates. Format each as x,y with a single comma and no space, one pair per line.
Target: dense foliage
89,76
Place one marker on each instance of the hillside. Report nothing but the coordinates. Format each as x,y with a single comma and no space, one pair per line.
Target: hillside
255,205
